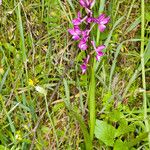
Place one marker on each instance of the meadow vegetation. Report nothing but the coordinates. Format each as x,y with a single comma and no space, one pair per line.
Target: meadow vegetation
43,93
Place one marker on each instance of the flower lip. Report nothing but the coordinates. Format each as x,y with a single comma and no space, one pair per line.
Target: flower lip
100,48
102,27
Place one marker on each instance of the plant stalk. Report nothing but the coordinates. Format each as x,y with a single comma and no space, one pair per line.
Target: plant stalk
92,103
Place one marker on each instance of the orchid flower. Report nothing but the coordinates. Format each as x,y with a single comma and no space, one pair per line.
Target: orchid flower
102,21
84,65
98,50
75,32
82,44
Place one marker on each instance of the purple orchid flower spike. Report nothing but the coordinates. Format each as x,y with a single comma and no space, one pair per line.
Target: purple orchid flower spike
75,32
84,35
98,50
84,65
102,20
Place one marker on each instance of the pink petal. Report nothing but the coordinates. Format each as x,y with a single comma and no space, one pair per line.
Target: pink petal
79,15
101,17
76,21
71,31
102,27
89,20
92,3
83,3
100,54
84,68
85,35
77,31
105,20
86,60
98,57
82,45
93,43
75,37
100,48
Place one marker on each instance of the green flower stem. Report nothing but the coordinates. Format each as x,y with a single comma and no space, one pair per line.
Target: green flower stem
92,102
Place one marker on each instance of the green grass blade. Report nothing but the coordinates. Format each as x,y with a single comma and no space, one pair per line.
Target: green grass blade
22,41
67,92
134,76
102,5
133,25
71,4
115,59
4,79
64,11
83,127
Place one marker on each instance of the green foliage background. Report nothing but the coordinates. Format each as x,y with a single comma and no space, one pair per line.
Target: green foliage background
44,97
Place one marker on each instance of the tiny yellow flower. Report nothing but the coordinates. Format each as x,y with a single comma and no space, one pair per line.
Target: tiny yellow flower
1,70
31,83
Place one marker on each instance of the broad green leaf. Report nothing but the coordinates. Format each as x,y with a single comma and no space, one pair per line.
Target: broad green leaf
106,98
105,132
147,16
138,139
120,145
124,129
115,115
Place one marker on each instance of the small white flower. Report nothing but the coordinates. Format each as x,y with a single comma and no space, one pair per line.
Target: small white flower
40,90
